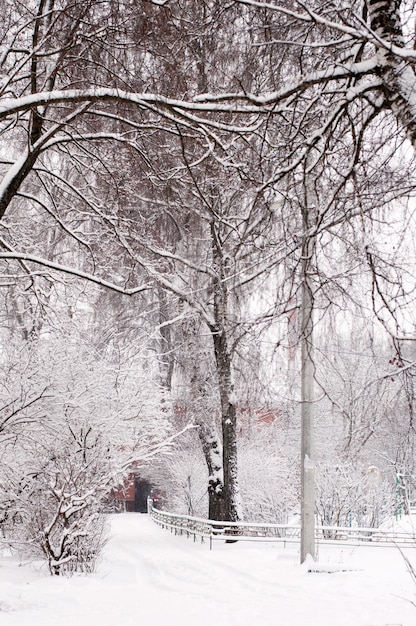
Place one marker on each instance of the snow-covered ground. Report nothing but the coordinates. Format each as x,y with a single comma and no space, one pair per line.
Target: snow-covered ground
148,576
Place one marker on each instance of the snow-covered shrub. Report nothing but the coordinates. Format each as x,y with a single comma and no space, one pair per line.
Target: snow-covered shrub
57,469
268,474
60,501
269,484
186,481
10,517
348,495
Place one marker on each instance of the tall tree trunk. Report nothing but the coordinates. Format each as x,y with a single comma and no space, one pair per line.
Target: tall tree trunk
202,409
232,505
225,386
213,457
398,75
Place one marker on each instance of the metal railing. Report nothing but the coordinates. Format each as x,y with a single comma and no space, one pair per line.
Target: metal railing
211,530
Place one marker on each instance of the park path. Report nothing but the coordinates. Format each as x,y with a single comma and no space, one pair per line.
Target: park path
149,576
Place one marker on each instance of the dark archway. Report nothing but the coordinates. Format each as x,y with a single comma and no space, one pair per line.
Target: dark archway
142,490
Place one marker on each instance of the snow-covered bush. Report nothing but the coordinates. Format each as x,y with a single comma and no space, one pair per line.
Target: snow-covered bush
269,481
61,456
348,495
185,480
268,469
52,483
60,504
10,517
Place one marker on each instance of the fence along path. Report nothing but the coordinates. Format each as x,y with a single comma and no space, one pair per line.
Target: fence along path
211,531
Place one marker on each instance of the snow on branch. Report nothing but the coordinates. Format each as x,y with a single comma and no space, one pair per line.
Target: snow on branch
73,272
163,106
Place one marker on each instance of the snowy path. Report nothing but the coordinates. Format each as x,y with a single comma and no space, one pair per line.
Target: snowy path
150,576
